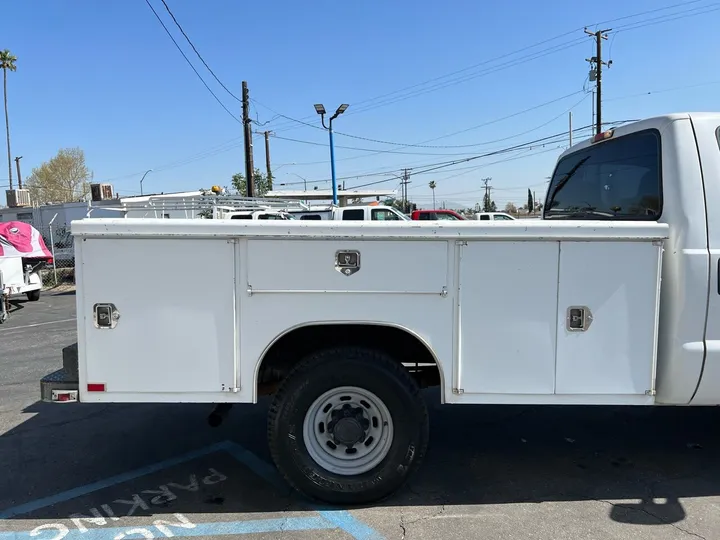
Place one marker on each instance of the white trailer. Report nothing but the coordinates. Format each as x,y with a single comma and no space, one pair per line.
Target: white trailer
344,323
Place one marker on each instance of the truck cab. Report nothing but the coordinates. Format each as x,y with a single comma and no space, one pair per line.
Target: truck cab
667,170
259,214
493,216
435,215
354,213
368,213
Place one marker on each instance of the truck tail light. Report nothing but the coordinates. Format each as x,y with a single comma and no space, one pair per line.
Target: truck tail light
96,387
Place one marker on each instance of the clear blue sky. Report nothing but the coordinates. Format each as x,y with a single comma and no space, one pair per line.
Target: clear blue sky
105,76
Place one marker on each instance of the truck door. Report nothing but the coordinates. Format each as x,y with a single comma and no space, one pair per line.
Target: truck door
707,134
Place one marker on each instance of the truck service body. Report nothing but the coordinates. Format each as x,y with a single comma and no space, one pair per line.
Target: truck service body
344,322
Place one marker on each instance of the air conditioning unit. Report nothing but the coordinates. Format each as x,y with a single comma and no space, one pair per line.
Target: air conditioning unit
101,192
17,198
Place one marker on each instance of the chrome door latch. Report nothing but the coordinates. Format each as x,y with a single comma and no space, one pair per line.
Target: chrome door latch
578,318
105,316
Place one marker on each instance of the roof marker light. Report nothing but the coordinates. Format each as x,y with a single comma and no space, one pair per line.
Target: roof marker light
603,136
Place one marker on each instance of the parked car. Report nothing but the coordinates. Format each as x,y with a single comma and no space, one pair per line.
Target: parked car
259,214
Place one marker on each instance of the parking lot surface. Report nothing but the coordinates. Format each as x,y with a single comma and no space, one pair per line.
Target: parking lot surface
156,471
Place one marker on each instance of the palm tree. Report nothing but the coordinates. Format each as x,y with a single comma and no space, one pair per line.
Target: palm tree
432,185
7,61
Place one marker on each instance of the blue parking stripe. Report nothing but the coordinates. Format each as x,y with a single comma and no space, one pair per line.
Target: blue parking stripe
344,520
220,528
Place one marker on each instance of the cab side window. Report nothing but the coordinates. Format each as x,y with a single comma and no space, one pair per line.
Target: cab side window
384,215
353,215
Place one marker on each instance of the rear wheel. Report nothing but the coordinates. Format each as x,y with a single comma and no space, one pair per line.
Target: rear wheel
348,426
33,296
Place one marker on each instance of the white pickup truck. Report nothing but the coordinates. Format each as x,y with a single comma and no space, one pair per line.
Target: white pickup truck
344,323
353,213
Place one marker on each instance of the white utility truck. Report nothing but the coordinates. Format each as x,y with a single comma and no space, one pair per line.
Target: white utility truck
345,322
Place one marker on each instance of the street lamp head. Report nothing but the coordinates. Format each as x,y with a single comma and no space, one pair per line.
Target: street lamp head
320,108
341,109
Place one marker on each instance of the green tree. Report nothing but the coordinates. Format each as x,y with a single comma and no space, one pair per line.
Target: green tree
488,204
530,202
65,178
262,184
7,62
432,185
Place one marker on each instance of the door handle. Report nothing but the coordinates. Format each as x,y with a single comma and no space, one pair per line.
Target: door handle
578,318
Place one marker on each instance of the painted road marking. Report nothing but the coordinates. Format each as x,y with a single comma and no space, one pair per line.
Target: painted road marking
38,324
327,518
220,528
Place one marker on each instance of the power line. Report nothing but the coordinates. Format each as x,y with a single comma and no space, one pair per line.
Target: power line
556,48
190,63
167,8
430,167
422,145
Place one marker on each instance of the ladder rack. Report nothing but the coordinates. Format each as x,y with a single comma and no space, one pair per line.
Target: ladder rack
204,206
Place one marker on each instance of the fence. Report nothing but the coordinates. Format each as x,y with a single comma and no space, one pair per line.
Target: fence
60,243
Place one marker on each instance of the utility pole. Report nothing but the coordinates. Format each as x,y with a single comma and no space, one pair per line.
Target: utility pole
486,199
404,183
598,63
267,160
247,130
17,164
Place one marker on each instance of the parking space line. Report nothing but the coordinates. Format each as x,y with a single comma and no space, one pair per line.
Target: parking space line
108,482
341,518
38,324
327,518
220,528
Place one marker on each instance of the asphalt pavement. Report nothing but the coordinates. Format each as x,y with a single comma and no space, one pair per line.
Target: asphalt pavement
154,471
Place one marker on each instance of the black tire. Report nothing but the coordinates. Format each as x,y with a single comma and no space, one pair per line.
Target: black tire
367,369
33,296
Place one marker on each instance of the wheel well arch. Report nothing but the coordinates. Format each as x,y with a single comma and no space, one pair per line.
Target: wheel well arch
401,343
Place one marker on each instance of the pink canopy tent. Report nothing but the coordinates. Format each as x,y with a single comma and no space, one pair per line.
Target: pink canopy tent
19,239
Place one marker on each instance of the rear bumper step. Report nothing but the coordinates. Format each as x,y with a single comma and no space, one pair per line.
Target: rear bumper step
59,387
62,386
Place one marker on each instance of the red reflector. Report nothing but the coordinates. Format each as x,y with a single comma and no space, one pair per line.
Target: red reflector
96,387
602,136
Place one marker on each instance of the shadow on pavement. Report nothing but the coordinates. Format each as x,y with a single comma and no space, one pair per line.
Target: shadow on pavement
640,461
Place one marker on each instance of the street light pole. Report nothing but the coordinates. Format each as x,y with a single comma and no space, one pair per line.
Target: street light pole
304,183
320,109
143,178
